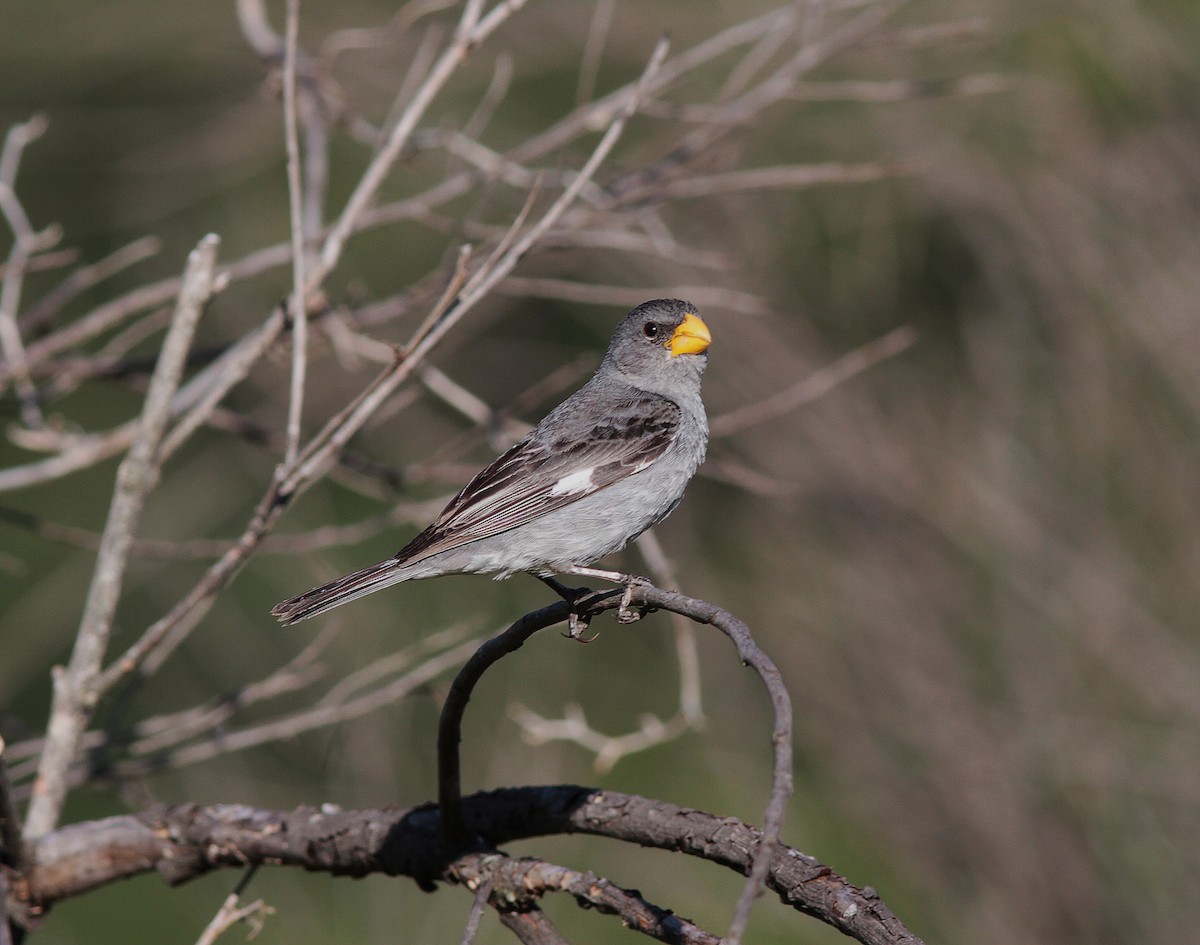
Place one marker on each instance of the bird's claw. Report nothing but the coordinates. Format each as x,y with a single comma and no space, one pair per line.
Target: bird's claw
577,624
626,614
581,616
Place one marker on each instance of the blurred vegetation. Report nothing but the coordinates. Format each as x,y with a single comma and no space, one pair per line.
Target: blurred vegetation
976,564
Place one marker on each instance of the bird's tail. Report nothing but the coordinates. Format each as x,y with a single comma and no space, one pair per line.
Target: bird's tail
335,593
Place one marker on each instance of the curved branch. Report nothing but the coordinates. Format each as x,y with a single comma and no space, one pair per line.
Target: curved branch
647,596
781,703
185,841
455,706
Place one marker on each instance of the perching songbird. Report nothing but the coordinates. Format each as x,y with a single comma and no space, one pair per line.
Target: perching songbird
603,466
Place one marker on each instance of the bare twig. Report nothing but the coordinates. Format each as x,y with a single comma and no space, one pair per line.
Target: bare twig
293,543
322,449
207,731
111,360
608,749
450,292
532,926
12,845
591,294
647,182
631,242
162,637
85,278
791,177
815,385
970,28
296,723
519,882
257,31
662,569
453,394
582,118
210,386
85,451
171,728
899,90
763,51
337,432
75,692
44,262
487,277
502,73
593,50
651,731
580,121
472,30
345,40
230,913
298,301
425,647
492,164
201,394
26,242
418,67
5,929
483,889
117,310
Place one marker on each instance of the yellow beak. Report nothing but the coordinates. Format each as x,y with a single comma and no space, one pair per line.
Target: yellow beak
691,337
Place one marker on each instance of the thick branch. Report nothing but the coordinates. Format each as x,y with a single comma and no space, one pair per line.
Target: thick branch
186,841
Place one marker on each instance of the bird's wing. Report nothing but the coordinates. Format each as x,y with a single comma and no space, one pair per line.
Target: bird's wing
547,471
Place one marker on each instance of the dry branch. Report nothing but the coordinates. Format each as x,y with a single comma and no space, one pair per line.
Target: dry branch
585,602
186,841
75,689
26,242
516,884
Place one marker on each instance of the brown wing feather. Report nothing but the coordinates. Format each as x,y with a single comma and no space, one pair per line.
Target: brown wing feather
518,486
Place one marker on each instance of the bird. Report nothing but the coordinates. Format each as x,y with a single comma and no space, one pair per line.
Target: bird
607,463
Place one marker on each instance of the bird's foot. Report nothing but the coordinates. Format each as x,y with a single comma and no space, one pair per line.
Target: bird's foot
626,613
577,623
578,598
580,617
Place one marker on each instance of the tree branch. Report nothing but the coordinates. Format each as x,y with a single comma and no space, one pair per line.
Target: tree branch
515,884
75,690
511,640
12,845
185,841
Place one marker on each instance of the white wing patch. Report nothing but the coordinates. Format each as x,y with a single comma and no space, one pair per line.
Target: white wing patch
580,481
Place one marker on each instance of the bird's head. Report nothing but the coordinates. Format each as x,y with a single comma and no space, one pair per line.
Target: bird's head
661,344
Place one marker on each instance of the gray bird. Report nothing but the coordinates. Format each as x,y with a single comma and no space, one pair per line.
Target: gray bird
602,467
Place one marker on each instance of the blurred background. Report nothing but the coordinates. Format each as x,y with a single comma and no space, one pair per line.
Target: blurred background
975,562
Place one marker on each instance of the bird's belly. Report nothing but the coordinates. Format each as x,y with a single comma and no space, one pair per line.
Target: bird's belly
582,531
578,534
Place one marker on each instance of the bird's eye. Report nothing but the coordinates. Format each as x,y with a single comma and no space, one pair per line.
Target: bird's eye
650,330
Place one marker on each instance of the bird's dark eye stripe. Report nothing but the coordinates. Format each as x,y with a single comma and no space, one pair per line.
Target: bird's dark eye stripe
650,330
